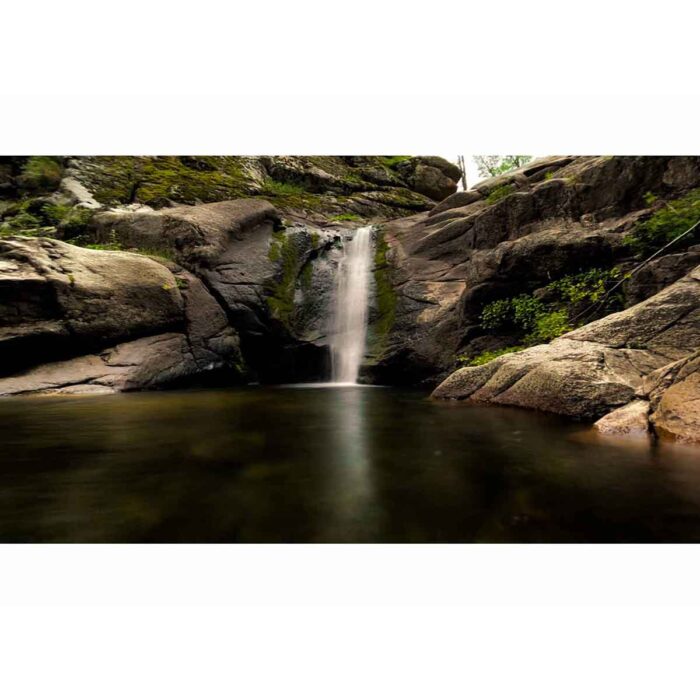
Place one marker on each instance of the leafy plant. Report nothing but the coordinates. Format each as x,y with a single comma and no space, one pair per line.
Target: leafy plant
549,326
42,173
536,321
666,224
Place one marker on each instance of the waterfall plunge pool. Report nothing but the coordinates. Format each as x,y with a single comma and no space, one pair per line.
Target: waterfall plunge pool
355,464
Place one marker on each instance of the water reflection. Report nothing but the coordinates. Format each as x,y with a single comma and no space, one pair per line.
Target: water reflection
351,464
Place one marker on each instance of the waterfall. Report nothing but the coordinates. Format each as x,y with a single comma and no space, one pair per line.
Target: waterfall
349,331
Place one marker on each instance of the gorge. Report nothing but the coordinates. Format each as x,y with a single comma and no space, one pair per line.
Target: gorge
224,280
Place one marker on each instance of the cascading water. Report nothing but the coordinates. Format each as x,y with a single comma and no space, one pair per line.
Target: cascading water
351,308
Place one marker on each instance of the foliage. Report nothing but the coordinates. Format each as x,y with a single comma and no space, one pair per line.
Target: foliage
490,166
667,223
273,187
24,223
488,355
42,173
537,321
588,286
500,193
346,217
549,326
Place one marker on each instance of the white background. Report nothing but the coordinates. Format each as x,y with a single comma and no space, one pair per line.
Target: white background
349,621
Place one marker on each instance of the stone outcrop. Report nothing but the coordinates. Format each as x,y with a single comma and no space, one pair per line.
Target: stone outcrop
273,282
72,316
513,235
676,408
595,369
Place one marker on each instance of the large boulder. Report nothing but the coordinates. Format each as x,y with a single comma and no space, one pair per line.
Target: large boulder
57,299
69,316
595,369
432,176
274,282
675,400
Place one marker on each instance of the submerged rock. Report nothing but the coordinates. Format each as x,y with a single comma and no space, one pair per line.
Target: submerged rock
631,419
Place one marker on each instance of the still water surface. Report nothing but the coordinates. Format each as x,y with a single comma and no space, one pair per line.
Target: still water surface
348,464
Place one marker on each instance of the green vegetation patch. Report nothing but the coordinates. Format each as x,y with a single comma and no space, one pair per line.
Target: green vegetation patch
392,161
154,180
346,217
280,293
36,216
42,173
535,321
674,218
500,193
488,355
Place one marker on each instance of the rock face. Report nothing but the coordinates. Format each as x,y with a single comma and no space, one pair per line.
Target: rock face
631,419
512,235
273,282
71,316
310,187
596,369
675,400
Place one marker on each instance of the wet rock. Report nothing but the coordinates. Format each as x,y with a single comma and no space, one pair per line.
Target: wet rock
676,401
631,419
595,369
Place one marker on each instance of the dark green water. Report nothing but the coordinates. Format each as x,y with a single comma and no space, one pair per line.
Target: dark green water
328,465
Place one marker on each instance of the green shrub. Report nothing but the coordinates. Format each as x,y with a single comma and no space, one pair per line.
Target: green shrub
585,286
549,326
538,322
24,223
666,224
500,193
42,173
519,312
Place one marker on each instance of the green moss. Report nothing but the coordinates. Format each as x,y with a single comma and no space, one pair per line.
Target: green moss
500,193
290,195
280,292
307,276
346,217
392,161
385,295
487,356
676,217
153,180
